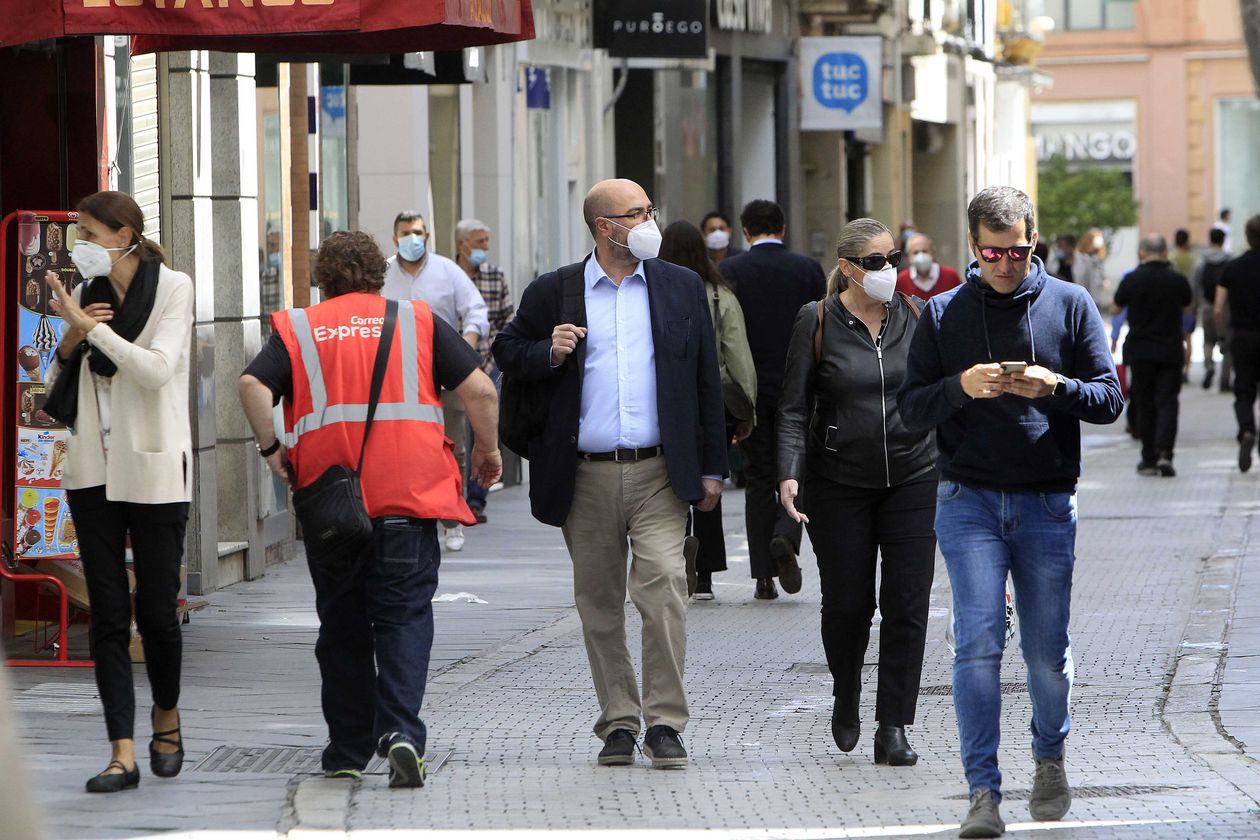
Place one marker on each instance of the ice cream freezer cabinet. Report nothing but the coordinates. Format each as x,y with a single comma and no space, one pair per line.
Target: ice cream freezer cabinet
36,528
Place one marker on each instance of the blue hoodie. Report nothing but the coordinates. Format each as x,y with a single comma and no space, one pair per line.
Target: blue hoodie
1010,442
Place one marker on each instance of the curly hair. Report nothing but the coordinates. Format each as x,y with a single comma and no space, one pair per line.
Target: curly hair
349,261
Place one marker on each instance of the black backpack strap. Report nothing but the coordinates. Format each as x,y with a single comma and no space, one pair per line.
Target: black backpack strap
573,302
378,373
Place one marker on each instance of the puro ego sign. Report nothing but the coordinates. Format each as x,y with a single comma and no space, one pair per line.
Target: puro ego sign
841,83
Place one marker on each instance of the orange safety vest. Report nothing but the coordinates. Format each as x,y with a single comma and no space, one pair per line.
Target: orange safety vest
409,467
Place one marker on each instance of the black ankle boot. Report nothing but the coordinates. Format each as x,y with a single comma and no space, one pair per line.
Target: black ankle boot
846,727
892,748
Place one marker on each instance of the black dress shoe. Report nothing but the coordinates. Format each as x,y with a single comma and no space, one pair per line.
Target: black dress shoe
663,746
765,590
892,748
106,782
166,765
618,749
846,728
785,559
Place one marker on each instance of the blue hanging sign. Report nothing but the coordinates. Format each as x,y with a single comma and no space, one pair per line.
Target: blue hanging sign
538,88
842,77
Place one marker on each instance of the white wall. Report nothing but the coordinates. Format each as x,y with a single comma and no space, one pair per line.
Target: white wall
393,156
756,145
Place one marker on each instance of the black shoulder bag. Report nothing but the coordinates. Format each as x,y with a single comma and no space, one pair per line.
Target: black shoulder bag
523,405
335,524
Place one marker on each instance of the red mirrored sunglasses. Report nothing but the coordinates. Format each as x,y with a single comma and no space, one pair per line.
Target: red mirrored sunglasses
1018,253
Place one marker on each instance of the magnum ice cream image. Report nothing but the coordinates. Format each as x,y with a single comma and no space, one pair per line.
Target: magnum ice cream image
26,406
52,507
28,234
34,293
28,358
54,241
45,341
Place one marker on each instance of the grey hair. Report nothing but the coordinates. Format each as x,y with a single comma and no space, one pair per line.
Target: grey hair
998,209
1153,245
467,227
849,243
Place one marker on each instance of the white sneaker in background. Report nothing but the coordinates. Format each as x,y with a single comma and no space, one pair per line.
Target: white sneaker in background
454,538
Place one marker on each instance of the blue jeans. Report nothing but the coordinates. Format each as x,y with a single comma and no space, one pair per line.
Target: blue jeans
375,635
984,534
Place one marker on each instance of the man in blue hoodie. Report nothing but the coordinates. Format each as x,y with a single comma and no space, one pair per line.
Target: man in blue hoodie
1005,367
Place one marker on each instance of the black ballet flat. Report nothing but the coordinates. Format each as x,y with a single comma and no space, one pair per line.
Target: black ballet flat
166,765
106,782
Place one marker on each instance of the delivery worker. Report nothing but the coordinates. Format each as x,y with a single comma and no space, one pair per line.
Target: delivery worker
376,614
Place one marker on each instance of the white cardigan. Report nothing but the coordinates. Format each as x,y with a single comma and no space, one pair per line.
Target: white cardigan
150,451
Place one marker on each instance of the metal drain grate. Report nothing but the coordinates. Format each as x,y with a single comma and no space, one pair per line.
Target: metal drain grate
948,691
1093,791
58,698
292,761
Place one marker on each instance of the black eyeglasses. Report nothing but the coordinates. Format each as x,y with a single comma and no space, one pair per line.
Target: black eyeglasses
650,212
1018,253
874,262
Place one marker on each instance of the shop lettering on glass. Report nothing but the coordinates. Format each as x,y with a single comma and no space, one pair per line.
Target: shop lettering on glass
1086,146
840,80
744,15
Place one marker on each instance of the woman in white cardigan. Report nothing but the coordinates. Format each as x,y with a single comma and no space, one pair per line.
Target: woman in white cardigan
129,464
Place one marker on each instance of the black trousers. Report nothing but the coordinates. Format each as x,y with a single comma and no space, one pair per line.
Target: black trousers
764,517
847,526
1246,348
1155,388
157,544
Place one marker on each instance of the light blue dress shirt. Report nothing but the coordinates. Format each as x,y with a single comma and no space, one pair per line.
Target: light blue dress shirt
619,380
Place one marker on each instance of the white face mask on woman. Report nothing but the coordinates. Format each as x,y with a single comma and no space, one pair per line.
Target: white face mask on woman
717,240
880,285
93,260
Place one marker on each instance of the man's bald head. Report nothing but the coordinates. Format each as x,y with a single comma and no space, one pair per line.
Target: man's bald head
612,197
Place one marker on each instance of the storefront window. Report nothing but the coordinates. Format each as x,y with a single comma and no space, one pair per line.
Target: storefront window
121,176
689,188
334,199
270,207
1237,163
1071,15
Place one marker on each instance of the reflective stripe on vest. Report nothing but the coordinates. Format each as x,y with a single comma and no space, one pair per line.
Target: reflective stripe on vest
322,415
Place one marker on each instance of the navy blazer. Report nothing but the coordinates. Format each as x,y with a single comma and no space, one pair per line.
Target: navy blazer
688,385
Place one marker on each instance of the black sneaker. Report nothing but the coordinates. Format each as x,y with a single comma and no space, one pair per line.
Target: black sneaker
618,749
765,590
1147,468
1165,467
406,766
664,747
1246,442
789,570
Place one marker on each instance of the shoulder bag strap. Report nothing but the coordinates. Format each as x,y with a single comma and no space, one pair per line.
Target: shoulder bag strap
573,295
378,373
818,333
913,303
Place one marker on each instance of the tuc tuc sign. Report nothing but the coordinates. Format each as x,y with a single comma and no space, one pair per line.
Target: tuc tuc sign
842,82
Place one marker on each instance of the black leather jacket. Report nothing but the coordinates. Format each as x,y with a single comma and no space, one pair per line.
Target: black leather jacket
839,419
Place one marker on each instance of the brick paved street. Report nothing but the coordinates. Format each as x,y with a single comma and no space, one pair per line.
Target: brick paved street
1167,583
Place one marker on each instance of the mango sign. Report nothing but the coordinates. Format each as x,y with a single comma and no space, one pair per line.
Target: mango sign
842,78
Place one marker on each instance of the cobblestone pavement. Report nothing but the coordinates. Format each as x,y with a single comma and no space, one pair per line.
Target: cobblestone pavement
1167,655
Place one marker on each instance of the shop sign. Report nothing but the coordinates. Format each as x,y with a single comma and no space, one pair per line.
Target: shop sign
653,28
538,88
744,15
841,79
1096,144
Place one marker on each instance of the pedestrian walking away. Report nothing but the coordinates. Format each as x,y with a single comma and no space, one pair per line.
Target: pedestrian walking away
634,434
472,245
870,483
682,244
774,283
1005,368
122,365
923,276
1238,306
1207,273
359,378
1156,296
416,273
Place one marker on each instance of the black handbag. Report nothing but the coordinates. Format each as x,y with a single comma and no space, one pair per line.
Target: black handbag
336,528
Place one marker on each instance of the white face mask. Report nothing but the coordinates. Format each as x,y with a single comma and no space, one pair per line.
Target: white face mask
93,260
922,262
717,240
880,285
644,240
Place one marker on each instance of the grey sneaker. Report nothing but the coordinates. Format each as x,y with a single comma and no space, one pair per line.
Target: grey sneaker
1051,796
983,819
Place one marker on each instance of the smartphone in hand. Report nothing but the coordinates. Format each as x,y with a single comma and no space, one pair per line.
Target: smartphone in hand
1013,367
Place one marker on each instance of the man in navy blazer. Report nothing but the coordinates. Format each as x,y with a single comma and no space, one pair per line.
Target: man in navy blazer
635,433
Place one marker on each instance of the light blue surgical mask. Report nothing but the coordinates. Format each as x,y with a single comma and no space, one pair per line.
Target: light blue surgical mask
477,256
411,247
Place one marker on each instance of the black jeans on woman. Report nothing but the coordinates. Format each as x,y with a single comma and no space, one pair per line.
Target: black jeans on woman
847,526
157,544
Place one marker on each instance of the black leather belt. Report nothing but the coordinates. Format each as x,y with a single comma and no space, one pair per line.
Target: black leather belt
622,455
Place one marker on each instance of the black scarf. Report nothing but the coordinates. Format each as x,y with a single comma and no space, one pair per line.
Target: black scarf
130,316
129,319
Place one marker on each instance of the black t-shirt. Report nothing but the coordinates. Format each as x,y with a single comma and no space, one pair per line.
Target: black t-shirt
1241,277
453,361
1156,295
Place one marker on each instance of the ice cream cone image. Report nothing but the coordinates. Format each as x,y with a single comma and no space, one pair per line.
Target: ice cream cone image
45,341
28,358
58,457
52,506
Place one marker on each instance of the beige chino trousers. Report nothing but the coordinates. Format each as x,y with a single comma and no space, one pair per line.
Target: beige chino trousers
615,507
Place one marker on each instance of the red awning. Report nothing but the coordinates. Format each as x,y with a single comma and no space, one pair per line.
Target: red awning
275,26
